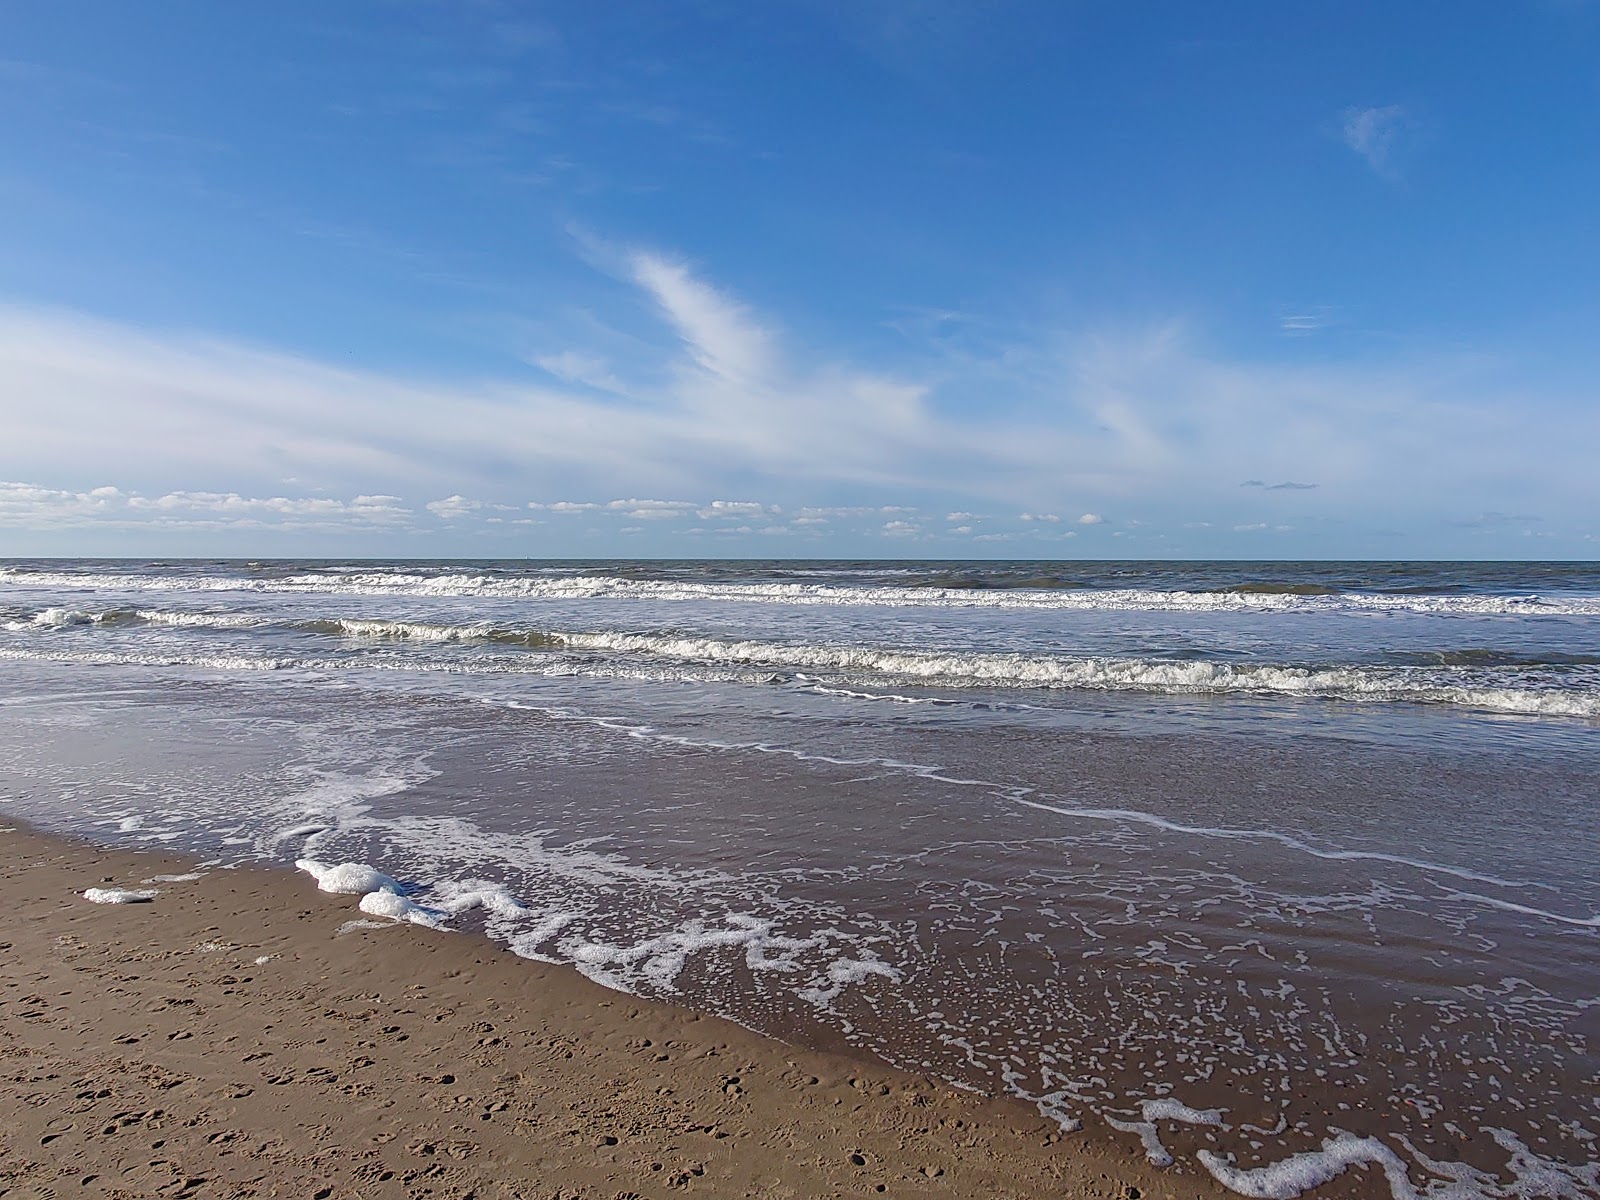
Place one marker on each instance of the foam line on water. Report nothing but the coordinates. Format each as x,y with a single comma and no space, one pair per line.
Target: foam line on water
1299,1173
1134,816
1164,1109
1169,826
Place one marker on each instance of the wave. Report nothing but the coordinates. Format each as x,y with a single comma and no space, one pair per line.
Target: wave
67,618
423,631
1244,598
1102,674
1280,589
685,656
1488,656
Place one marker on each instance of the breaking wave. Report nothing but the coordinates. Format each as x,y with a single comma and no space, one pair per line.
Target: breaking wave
1463,679
1288,598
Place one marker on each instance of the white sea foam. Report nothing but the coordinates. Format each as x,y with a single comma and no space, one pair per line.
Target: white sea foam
1164,1109
1168,1109
657,961
1290,1177
459,896
695,657
530,942
1105,674
221,662
97,895
415,631
845,972
349,879
198,620
1530,1176
385,903
1134,816
581,587
52,618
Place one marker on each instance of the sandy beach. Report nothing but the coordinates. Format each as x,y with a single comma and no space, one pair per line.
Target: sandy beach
224,1038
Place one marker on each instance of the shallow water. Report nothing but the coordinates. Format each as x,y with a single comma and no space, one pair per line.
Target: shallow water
1241,859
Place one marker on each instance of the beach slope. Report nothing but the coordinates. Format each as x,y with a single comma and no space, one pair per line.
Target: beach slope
224,1038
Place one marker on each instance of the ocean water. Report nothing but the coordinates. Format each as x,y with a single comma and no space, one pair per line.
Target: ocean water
1282,872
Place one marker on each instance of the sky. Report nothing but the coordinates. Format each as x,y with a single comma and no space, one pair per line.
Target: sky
885,278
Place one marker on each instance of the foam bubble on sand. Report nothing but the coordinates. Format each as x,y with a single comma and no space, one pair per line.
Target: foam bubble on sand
1299,1173
120,895
349,879
188,878
380,893
397,908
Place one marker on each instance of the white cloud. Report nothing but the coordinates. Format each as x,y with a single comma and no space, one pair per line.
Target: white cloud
1050,518
1301,324
1091,519
574,366
733,508
1138,420
32,506
720,334
453,507
1373,133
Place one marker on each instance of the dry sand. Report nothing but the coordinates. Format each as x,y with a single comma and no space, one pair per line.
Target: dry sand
225,1039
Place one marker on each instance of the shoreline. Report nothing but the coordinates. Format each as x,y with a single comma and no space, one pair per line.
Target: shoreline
225,1039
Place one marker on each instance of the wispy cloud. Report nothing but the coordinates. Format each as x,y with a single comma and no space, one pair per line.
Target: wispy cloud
1306,321
1141,422
1374,134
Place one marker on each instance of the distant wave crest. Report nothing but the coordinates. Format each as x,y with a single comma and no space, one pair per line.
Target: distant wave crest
1285,597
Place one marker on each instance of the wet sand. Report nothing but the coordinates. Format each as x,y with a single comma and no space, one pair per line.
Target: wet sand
226,1039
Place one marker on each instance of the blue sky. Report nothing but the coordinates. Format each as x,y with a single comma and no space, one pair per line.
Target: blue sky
887,278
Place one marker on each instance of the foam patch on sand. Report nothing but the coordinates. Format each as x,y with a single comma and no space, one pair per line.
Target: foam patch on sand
120,895
347,879
381,895
398,908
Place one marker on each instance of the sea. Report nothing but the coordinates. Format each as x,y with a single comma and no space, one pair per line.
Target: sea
1284,873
